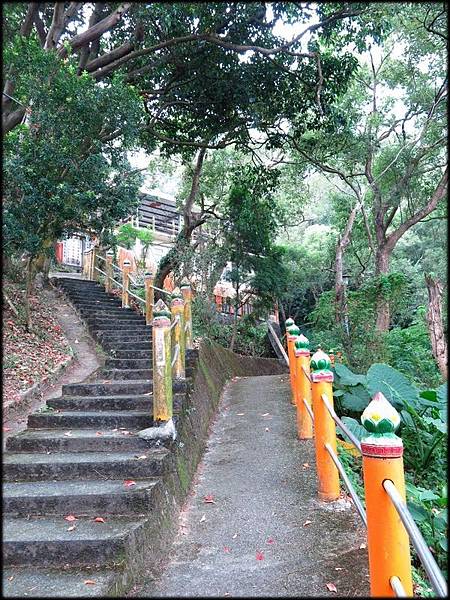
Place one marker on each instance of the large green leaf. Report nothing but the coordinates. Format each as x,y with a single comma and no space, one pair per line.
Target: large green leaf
356,428
395,387
418,513
356,399
347,377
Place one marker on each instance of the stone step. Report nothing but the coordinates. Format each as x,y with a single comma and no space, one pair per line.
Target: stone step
90,312
84,465
133,402
112,332
134,374
31,582
77,440
100,419
91,296
96,497
116,388
114,346
146,354
128,363
46,541
118,320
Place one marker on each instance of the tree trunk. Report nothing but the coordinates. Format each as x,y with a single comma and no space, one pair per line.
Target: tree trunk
28,290
235,318
341,311
382,261
435,324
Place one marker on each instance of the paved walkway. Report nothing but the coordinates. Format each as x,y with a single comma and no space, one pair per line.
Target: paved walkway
263,532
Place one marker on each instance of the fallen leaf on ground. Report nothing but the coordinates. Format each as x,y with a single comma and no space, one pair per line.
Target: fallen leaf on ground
331,587
338,568
68,433
226,549
305,465
11,578
70,518
202,519
6,428
209,499
259,556
129,482
140,457
266,415
363,546
89,582
267,429
234,536
240,414
72,528
307,523
270,541
76,342
98,433
99,520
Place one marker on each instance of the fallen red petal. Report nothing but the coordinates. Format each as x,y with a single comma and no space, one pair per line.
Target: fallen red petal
70,518
99,520
259,556
331,587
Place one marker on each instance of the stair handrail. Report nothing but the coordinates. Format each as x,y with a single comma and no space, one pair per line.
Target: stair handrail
275,337
384,483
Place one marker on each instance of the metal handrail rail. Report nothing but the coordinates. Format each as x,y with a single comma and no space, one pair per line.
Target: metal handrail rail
283,351
340,424
101,257
426,558
308,408
305,372
397,587
161,290
137,297
117,267
116,282
174,322
100,271
175,355
348,483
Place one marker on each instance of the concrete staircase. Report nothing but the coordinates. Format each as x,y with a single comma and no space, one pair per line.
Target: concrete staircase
77,457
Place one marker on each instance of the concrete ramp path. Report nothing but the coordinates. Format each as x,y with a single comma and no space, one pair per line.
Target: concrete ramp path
253,525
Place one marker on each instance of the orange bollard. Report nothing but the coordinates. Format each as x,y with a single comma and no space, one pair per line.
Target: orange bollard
388,540
324,426
302,387
292,333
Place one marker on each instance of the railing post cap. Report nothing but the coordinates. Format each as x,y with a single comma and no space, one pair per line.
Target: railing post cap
293,331
380,419
185,283
161,314
321,367
177,298
109,252
301,346
148,275
289,322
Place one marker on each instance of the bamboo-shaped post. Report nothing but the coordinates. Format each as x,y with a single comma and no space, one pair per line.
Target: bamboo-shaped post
303,387
187,295
292,332
162,369
388,540
149,297
126,283
178,333
109,271
85,264
94,274
324,426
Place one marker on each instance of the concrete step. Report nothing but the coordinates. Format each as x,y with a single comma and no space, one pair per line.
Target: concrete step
116,346
140,332
132,402
127,374
132,419
84,465
146,354
116,388
77,440
125,319
128,363
31,582
47,541
96,497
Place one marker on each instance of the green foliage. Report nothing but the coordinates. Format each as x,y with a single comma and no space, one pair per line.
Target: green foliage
127,236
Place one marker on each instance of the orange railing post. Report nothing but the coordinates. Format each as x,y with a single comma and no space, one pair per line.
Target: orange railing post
109,271
149,298
388,540
292,331
324,426
302,387
126,283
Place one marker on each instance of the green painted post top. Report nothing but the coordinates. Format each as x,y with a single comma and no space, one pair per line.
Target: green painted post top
185,283
380,419
293,331
109,252
161,314
321,367
301,346
289,322
177,298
